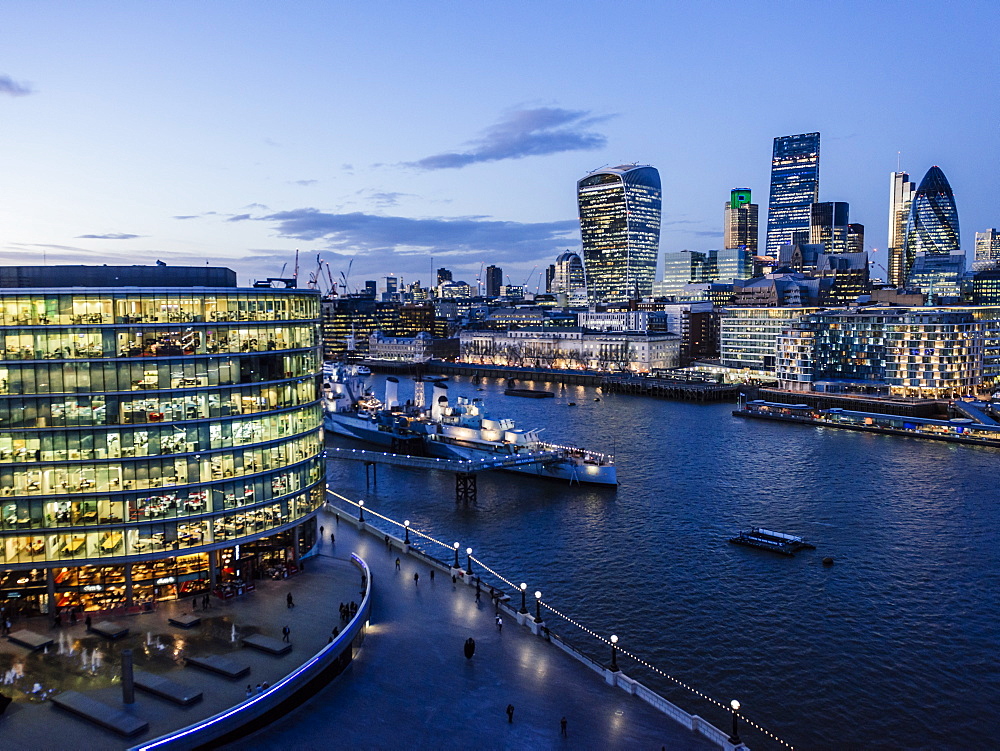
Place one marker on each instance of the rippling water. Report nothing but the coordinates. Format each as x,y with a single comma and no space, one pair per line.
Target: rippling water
893,646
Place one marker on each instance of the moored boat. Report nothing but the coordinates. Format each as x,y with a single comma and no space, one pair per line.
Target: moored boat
767,539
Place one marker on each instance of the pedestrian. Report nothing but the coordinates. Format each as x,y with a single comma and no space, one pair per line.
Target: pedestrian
510,713
321,532
416,577
562,727
499,625
285,634
249,690
86,622
397,564
388,545
432,574
259,689
72,616
454,579
335,632
289,601
470,648
333,537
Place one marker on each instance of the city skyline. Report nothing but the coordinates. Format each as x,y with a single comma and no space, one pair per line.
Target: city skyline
142,134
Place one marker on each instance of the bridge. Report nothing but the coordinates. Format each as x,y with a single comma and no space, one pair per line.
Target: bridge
465,469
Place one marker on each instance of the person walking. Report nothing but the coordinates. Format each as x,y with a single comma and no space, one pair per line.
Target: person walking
416,577
562,727
397,564
510,713
286,634
333,537
86,622
289,601
321,532
249,690
432,574
470,648
499,625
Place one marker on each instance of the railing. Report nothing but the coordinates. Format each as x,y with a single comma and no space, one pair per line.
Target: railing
617,678
274,702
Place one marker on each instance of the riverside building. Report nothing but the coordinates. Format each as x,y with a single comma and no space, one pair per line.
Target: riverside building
157,440
620,227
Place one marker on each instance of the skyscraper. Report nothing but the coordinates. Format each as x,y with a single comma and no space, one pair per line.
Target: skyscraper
932,225
620,227
988,245
828,225
901,192
569,276
855,238
794,188
494,280
741,221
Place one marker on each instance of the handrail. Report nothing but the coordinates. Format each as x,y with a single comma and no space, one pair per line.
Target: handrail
251,710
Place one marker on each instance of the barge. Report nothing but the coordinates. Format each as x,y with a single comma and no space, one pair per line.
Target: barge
767,539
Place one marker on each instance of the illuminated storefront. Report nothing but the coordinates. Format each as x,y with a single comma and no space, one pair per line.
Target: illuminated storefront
145,429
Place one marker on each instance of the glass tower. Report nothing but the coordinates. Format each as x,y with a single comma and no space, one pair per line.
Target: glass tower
741,221
932,226
794,188
620,227
828,225
901,192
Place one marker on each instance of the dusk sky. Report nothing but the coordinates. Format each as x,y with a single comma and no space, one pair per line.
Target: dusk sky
392,133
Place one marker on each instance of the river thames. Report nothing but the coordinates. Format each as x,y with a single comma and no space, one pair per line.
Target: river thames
893,646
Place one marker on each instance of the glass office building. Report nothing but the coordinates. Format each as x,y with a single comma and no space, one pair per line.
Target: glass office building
794,188
828,225
932,225
740,224
155,441
620,226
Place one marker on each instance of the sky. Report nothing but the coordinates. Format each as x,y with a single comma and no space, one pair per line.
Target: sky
398,137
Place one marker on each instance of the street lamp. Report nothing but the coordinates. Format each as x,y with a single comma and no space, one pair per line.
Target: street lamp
524,607
614,654
456,554
406,525
538,606
468,561
361,511
735,737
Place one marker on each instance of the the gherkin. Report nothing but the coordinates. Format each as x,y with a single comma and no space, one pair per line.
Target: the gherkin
932,226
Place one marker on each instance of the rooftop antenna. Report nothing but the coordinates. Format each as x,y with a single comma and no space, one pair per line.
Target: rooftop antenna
898,154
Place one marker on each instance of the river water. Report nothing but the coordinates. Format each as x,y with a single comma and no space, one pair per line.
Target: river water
893,646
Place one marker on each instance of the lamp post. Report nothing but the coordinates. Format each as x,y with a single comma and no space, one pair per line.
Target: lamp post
406,526
361,511
538,606
468,561
524,607
735,737
456,554
614,654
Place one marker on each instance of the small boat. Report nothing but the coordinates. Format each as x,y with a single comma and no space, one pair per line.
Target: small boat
768,539
530,393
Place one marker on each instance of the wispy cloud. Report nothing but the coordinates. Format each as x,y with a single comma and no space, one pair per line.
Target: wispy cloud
10,87
522,133
109,236
188,216
239,218
465,237
303,183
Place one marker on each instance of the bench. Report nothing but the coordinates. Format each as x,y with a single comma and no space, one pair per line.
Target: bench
100,713
110,630
187,620
165,688
29,639
224,666
267,644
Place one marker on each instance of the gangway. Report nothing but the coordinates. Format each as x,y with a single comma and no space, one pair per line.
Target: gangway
465,469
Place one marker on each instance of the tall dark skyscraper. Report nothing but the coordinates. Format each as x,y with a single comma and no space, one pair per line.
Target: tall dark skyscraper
794,188
828,225
620,227
494,281
932,226
443,275
901,192
741,221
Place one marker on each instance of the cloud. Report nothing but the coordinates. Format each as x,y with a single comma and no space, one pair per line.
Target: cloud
303,183
10,87
464,237
239,218
383,199
523,133
188,216
109,236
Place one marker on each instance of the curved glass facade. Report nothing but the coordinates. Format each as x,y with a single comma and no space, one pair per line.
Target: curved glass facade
932,226
151,439
620,228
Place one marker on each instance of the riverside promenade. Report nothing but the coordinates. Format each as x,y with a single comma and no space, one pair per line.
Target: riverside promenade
412,687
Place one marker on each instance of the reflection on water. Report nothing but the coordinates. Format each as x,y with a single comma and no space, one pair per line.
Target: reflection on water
893,646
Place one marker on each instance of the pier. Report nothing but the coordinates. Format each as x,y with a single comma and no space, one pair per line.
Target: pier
465,469
687,391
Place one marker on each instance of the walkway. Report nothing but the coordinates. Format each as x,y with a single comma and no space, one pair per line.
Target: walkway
452,465
412,687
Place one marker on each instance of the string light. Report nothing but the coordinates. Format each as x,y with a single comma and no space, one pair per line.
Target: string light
579,625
